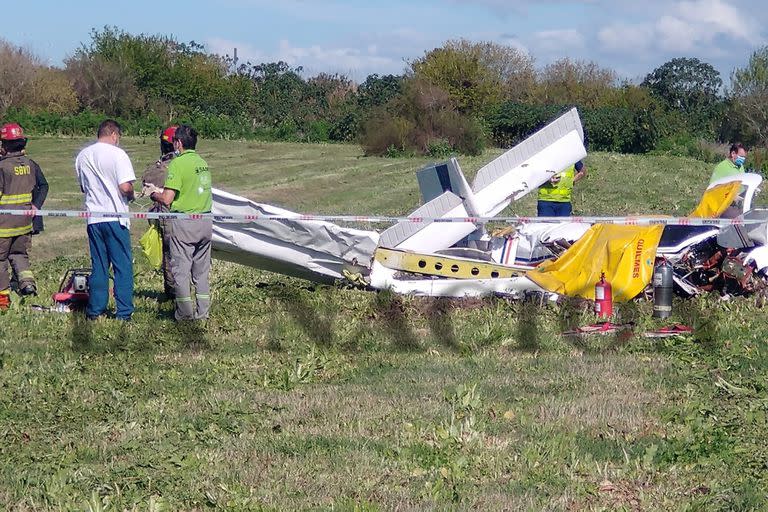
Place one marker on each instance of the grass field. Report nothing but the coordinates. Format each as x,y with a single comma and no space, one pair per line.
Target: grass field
298,396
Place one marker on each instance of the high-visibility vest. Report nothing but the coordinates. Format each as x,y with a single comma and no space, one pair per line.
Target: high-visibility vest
560,193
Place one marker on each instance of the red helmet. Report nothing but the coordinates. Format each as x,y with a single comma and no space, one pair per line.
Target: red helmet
169,133
11,131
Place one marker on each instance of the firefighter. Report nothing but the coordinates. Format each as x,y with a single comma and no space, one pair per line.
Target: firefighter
155,176
39,194
22,185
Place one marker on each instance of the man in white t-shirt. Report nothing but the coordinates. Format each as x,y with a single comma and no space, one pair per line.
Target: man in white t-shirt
106,177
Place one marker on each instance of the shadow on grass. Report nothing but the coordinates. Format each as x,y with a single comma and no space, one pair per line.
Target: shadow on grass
318,328
392,316
84,339
440,322
80,332
191,334
705,324
577,312
528,334
392,312
160,297
569,313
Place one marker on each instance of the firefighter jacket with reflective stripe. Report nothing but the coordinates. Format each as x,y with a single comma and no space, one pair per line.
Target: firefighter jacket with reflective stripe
561,192
18,179
156,174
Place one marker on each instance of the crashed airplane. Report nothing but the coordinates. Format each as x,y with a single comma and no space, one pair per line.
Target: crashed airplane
460,259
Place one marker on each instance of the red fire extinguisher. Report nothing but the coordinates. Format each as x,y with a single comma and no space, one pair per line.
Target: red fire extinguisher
603,298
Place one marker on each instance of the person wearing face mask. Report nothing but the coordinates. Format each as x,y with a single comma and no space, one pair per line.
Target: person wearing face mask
154,177
187,189
731,166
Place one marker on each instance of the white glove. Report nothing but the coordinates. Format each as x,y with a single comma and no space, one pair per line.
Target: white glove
148,189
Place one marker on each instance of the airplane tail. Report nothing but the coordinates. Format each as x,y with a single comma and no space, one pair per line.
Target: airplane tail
507,178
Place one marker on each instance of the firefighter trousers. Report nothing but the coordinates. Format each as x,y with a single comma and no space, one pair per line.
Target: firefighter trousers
165,235
190,248
15,251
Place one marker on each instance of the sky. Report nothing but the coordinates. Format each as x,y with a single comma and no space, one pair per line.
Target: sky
358,38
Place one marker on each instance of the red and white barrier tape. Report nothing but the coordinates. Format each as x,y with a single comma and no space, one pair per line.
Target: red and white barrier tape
379,219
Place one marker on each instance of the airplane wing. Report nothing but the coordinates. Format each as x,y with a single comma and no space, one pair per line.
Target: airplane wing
315,250
508,178
530,164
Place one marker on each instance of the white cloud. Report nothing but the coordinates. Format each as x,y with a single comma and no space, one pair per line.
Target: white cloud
513,41
684,27
559,41
509,6
717,17
672,35
346,60
621,38
627,35
356,63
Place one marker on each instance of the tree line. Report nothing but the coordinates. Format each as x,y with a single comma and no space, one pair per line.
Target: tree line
459,97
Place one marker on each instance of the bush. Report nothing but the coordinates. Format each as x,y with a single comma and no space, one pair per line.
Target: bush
510,123
318,131
609,129
345,128
440,148
757,159
50,91
684,144
393,135
84,123
421,122
46,123
385,134
606,128
465,135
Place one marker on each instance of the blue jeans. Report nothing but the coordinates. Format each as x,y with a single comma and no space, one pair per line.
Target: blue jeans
553,209
110,244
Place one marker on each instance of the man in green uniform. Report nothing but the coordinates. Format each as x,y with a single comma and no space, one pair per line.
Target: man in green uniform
555,195
19,180
188,190
731,166
154,177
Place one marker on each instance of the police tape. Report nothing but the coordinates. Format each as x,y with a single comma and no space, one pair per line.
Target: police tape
388,219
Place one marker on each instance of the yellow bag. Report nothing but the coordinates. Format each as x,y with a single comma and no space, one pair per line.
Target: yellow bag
716,200
152,245
625,253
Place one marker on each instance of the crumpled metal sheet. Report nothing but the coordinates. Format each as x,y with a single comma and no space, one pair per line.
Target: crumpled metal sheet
528,244
314,250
